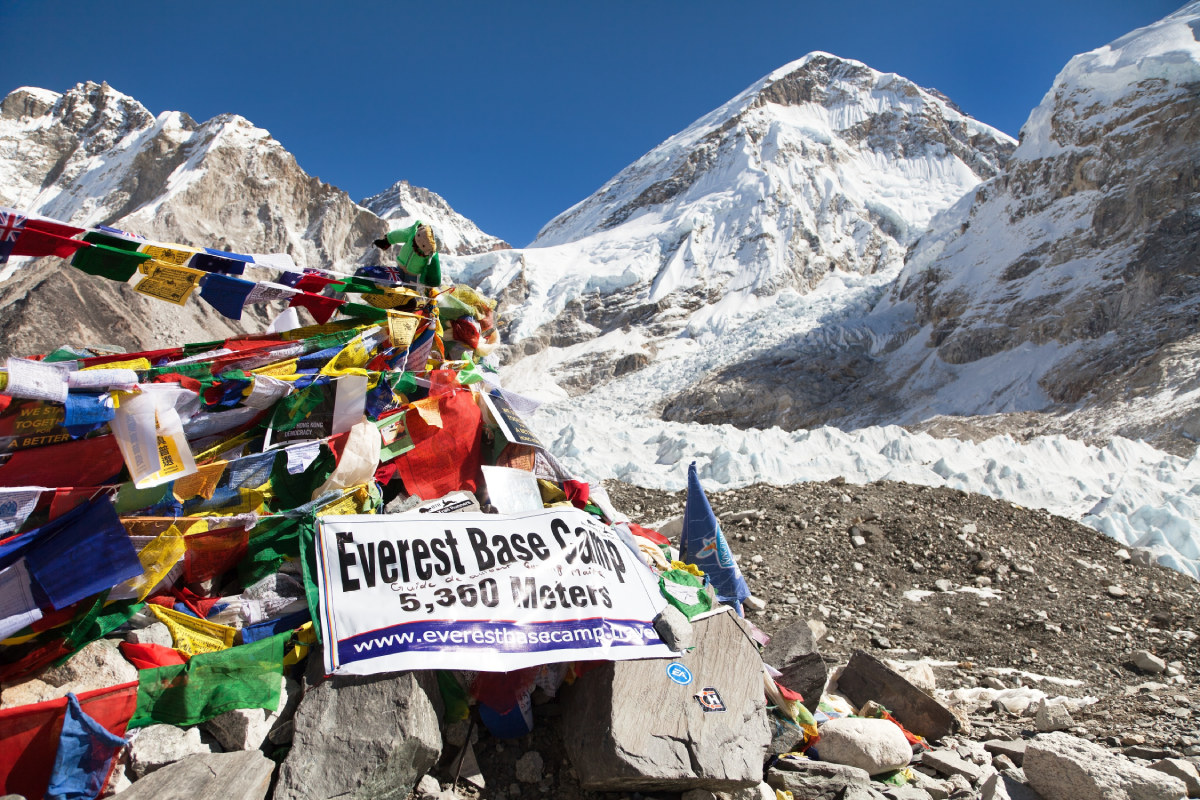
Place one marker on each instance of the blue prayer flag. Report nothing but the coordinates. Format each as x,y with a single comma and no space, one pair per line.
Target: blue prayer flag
225,294
87,409
90,554
272,627
703,544
217,262
85,754
12,224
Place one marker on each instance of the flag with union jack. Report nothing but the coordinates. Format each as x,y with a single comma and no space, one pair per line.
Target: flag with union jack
11,224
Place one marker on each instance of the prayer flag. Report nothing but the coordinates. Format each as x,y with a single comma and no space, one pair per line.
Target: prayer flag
29,735
85,755
444,459
150,656
322,308
225,294
703,544
114,263
210,684
212,262
12,225
83,553
83,462
40,243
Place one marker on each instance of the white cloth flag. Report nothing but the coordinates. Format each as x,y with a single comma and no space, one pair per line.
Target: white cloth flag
36,380
16,505
267,391
17,608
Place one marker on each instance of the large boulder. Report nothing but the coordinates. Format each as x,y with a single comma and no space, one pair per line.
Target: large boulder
816,780
225,776
629,726
158,746
247,728
1062,767
793,651
366,737
873,745
96,666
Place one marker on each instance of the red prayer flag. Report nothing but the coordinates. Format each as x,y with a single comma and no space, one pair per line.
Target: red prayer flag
321,307
29,735
39,243
83,462
444,459
213,552
150,656
311,282
67,498
149,355
51,226
648,533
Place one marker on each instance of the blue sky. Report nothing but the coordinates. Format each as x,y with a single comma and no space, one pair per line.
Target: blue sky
516,111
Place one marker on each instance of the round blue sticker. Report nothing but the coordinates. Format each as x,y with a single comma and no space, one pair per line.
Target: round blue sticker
679,673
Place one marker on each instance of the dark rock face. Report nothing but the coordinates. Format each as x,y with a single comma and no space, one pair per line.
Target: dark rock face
614,744
793,651
369,737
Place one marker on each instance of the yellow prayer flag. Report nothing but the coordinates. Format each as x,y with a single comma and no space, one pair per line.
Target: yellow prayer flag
191,635
350,361
429,411
202,482
402,327
173,255
173,284
157,559
352,503
136,364
278,370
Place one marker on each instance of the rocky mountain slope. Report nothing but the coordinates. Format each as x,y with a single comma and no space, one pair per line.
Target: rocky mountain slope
1066,284
96,156
824,166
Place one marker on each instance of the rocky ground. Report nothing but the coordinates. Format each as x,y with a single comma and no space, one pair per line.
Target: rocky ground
986,594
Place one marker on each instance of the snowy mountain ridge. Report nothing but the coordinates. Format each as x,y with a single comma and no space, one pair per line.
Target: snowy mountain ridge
93,155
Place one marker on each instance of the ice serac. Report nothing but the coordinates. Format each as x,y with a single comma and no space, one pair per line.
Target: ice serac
823,166
95,156
402,204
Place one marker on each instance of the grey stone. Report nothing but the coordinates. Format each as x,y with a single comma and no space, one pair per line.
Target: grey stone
907,793
367,736
96,666
674,628
866,678
428,785
949,764
793,651
456,733
1184,770
1014,749
1003,787
158,746
936,788
1062,767
156,633
817,780
228,776
874,745
528,768
1146,753
993,683
632,727
1148,662
1001,762
1052,718
469,769
248,728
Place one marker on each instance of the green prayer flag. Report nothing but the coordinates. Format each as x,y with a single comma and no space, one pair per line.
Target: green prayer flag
247,676
454,697
273,542
685,591
292,491
360,311
130,498
108,262
308,561
110,241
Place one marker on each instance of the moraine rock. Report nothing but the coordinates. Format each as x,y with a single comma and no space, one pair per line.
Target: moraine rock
1148,662
248,728
1184,770
1062,767
793,651
158,746
370,737
96,666
615,745
1052,717
674,628
156,633
809,780
222,776
873,745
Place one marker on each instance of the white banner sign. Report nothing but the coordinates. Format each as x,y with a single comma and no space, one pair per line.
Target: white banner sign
481,592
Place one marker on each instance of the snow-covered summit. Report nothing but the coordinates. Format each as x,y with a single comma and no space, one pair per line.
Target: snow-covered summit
824,166
402,204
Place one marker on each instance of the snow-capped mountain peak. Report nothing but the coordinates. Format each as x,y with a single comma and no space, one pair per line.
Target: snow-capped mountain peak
402,204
